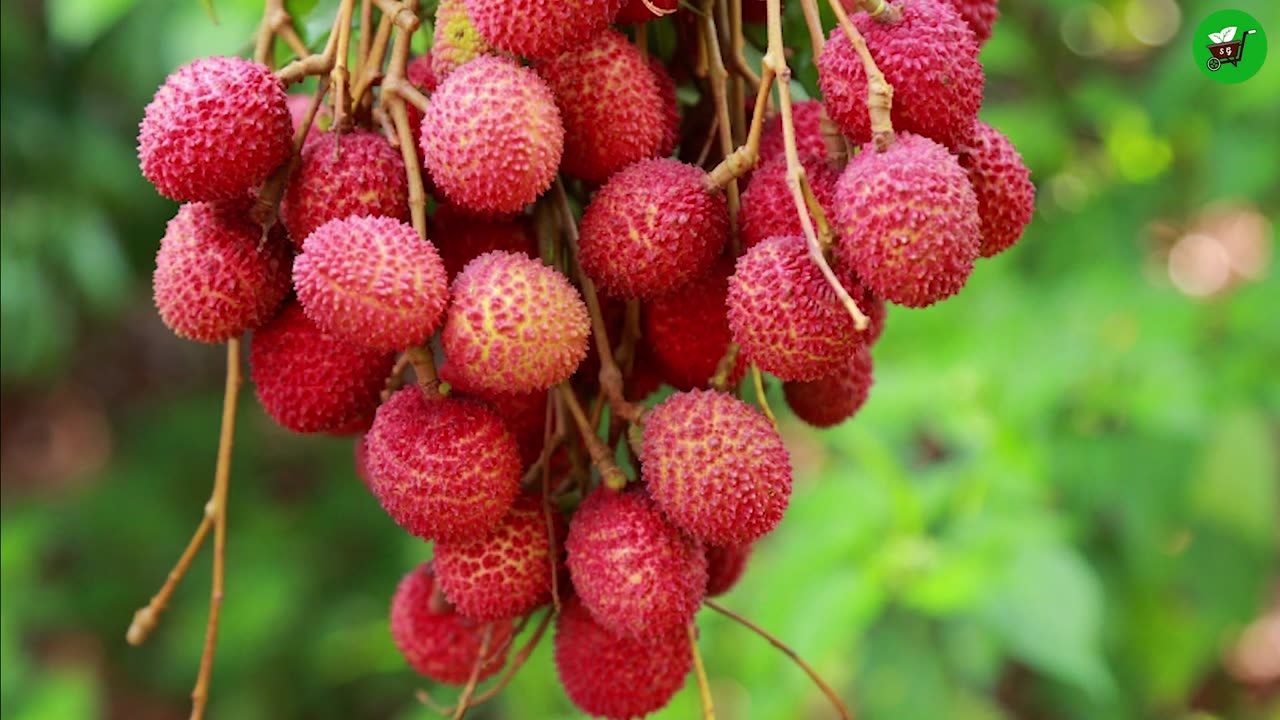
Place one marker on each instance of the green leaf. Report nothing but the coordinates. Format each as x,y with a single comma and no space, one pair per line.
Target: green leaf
1235,486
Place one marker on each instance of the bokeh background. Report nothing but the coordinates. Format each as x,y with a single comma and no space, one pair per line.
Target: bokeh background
1061,500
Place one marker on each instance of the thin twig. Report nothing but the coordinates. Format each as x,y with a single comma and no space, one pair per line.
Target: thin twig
552,435
513,666
879,91
704,687
405,14
718,77
758,380
339,76
464,700
725,368
146,619
424,367
601,457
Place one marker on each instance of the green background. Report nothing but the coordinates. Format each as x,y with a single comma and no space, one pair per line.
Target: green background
1060,502
1252,52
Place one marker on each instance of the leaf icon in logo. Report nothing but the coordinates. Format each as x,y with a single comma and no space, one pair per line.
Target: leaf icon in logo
1225,36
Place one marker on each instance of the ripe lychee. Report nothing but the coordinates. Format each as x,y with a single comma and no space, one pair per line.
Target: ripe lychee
619,678
436,641
670,107
807,117
930,58
688,329
768,208
524,414
455,39
725,566
980,16
371,281
610,104
492,137
461,237
445,469
216,128
638,575
514,325
908,222
829,401
716,467
639,11
654,226
541,28
215,277
1002,184
309,381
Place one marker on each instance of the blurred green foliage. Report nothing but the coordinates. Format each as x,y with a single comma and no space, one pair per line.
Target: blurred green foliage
1061,500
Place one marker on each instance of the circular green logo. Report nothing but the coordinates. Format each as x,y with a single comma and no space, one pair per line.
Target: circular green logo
1230,46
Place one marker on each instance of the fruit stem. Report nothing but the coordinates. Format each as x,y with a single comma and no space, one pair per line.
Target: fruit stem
758,380
146,619
737,58
513,666
400,118
704,687
882,11
424,367
813,21
826,689
464,700
276,22
717,76
307,65
395,380
371,63
879,91
725,367
744,158
405,14
552,435
339,76
610,473
266,206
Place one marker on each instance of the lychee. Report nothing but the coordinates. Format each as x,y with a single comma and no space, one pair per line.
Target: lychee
492,137
908,222
445,469
640,11
514,325
215,277
371,281
829,401
980,15
299,104
807,117
670,107
541,28
455,39
768,208
524,414
461,237
725,566
653,226
688,329
638,575
420,75
1002,184
216,128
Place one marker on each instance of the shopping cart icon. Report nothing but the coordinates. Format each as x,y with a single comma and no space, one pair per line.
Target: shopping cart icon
1226,52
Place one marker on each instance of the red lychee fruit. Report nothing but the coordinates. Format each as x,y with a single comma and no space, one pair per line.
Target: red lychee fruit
217,127
299,104
716,467
492,137
1002,184
829,401
215,278
503,575
461,237
341,175
725,566
455,39
768,209
309,381
619,678
907,220
445,469
524,414
641,11
541,28
786,318
807,117
688,329
610,105
931,60
980,16
638,575
514,325
654,226
371,281
419,74
436,641
670,107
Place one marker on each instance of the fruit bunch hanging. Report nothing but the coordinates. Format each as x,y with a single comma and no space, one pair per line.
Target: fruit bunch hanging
529,285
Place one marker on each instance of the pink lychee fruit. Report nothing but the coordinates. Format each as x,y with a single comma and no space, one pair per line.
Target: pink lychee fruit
1002,184
524,414
768,208
981,15
725,566
670,107
807,116
688,329
461,237
829,401
541,28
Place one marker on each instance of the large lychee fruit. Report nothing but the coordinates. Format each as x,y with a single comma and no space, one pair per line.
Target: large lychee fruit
436,641
829,401
908,222
461,237
725,566
215,277
980,15
371,281
688,329
514,325
640,11
670,107
217,127
807,117
931,60
609,676
541,28
638,575
341,175
768,209
491,137
716,467
610,104
1002,184
445,469
309,381
654,226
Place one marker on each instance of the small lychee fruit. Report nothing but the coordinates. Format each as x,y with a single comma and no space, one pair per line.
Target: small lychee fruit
641,11
768,208
981,15
455,39
1002,184
829,401
688,329
725,566
907,221
524,414
541,28
807,116
216,128
461,237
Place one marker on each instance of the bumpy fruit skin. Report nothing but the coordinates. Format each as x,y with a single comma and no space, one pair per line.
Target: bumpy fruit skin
670,107
461,237
784,315
444,469
524,414
716,467
831,400
980,16
725,566
688,329
504,575
371,281
613,677
309,381
541,28
514,325
1002,184
908,223
768,210
637,574
455,40
807,116
492,136
931,60
436,641
212,281
610,104
652,227
635,11
340,175
217,127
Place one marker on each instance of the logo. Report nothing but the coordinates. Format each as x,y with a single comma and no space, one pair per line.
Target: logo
1230,46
